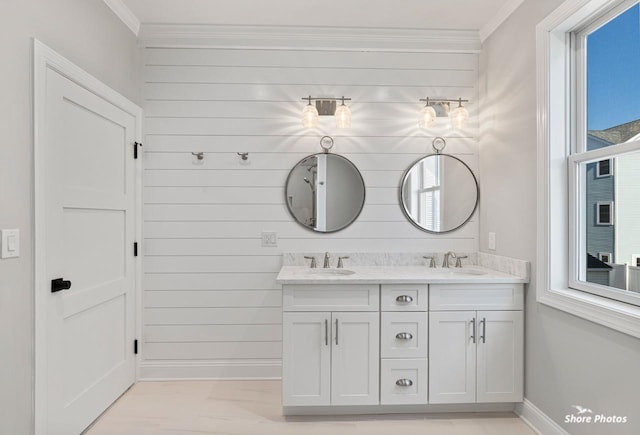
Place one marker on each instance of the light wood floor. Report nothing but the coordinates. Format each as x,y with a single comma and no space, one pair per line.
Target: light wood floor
253,408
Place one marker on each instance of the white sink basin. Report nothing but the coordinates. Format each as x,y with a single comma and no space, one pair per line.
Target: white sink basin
329,272
463,271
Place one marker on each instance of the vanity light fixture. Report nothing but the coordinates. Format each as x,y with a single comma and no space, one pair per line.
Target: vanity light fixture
440,107
309,115
427,115
326,106
343,116
459,115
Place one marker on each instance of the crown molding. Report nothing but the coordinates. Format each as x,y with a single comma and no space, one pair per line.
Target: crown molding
124,13
308,38
500,17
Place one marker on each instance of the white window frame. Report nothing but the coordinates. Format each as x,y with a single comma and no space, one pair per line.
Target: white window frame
609,204
608,174
605,257
558,174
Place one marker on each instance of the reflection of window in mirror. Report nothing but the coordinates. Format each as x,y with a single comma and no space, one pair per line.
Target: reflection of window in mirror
429,193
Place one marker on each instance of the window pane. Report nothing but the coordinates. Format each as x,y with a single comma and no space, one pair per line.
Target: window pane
604,168
613,82
611,223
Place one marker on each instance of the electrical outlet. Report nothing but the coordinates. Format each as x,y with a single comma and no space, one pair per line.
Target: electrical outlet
492,241
269,239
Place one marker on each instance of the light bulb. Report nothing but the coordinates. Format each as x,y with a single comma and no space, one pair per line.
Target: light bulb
458,116
343,116
427,117
309,116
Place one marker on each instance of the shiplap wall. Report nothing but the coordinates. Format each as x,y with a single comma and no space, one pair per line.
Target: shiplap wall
211,306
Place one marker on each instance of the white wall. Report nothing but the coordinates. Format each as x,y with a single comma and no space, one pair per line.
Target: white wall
569,361
87,33
212,307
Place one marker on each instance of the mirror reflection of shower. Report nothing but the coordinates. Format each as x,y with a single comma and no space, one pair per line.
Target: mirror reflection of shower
313,173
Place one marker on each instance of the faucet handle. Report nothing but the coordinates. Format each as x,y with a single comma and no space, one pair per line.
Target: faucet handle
313,264
340,265
432,260
459,258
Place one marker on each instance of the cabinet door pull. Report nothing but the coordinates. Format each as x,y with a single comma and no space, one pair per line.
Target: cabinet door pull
326,332
336,332
404,299
404,336
484,329
473,329
404,382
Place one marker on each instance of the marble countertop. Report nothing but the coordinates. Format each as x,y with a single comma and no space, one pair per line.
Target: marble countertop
396,275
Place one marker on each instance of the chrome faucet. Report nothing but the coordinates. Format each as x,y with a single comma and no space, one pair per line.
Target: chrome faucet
326,260
448,255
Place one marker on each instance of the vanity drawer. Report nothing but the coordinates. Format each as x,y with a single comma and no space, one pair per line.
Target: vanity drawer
460,297
349,297
404,335
403,381
405,297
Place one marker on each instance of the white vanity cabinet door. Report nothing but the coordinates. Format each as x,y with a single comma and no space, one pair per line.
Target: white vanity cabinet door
404,335
306,359
355,359
500,356
452,357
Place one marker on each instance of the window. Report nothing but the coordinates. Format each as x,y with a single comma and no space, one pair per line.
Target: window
603,168
589,159
604,213
605,257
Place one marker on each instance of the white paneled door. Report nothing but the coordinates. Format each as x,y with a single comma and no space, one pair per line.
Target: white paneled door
87,201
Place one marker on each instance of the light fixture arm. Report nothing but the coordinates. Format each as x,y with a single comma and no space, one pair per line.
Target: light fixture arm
443,100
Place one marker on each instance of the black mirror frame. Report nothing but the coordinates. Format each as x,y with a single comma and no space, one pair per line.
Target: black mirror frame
364,194
404,208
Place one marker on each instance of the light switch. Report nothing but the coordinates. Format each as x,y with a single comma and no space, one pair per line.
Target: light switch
10,244
492,241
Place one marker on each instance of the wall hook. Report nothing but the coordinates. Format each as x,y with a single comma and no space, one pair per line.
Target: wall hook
199,155
244,156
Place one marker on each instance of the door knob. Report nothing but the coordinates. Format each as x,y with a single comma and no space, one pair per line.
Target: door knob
59,284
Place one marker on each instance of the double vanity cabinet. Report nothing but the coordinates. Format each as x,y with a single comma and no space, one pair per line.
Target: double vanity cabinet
349,342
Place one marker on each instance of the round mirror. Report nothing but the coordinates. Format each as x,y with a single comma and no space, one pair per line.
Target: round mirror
439,193
325,192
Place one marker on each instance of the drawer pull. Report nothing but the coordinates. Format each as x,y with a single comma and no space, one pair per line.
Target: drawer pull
404,382
404,336
404,299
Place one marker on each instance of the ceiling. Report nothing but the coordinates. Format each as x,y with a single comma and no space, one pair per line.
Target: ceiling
480,15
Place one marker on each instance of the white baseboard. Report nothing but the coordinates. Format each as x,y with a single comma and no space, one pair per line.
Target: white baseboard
538,420
227,370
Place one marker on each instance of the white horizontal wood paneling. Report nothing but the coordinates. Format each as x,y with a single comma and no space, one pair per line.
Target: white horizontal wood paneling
211,302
